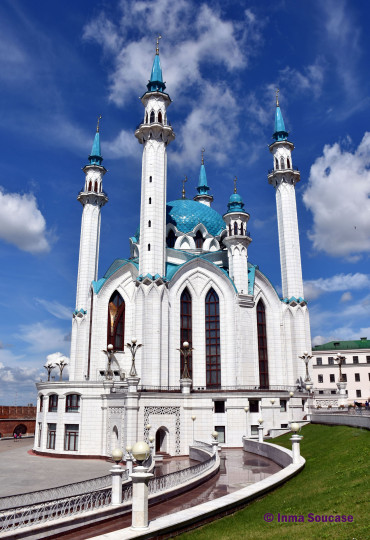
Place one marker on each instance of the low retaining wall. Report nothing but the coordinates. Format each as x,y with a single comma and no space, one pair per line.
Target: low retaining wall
337,419
185,520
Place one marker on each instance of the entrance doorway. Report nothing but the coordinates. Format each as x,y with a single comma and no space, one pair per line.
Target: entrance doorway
161,440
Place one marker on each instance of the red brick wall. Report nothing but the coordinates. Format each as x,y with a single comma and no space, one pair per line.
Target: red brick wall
11,417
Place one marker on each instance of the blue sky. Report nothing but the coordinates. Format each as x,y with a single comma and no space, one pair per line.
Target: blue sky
61,66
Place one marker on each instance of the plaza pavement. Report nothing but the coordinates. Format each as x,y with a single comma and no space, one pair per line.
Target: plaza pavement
21,472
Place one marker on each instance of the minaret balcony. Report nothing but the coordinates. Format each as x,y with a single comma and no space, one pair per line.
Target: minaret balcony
156,131
292,173
92,197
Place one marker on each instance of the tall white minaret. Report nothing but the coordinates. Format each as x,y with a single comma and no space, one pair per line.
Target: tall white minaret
92,199
284,178
155,133
237,241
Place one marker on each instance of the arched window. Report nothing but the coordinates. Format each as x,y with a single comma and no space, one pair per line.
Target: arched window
235,227
146,118
185,328
160,117
213,351
148,247
171,239
282,166
149,223
150,200
41,402
96,187
73,403
262,345
276,163
241,229
288,163
90,186
150,179
199,240
53,403
152,117
116,322
230,231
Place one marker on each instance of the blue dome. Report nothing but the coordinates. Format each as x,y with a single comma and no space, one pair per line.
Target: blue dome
235,197
185,214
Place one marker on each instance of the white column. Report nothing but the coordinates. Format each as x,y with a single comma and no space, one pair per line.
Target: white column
296,439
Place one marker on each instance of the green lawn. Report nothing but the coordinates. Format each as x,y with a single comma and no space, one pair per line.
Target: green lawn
334,481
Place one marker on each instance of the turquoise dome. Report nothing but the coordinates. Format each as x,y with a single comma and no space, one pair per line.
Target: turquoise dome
235,197
185,214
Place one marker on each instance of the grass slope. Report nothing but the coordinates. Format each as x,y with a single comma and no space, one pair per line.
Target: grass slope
334,481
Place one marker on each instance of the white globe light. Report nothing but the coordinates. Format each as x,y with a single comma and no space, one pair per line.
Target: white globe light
185,344
294,427
117,455
110,347
215,434
246,409
272,401
128,449
260,420
291,394
193,417
134,340
151,438
140,451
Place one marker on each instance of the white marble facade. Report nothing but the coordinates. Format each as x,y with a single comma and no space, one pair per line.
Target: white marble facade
92,415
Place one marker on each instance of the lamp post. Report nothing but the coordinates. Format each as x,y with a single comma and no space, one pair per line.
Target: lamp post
62,363
296,439
151,444
128,459
272,401
215,441
193,419
108,374
260,430
116,472
49,368
140,479
340,359
341,384
133,346
185,381
291,394
306,358
246,410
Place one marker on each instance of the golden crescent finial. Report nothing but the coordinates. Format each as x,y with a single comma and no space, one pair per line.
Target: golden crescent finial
158,38
183,187
203,150
97,126
277,97
235,180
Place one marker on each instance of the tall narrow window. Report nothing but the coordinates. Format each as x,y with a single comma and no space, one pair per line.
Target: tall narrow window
276,163
150,200
262,345
213,349
96,187
230,233
41,402
241,229
186,328
90,186
288,163
235,228
152,117
50,442
199,240
53,403
171,239
148,247
71,437
160,117
146,118
150,179
116,322
149,223
282,166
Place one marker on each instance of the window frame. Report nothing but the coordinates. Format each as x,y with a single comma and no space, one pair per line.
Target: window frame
71,436
53,403
51,436
70,407
213,339
263,365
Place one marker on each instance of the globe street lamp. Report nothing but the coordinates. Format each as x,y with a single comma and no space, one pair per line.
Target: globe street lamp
61,364
110,356
116,472
140,479
340,359
186,352
193,419
246,410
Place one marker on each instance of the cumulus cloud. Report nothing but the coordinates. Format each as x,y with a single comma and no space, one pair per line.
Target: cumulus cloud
338,197
199,42
22,223
56,357
340,282
342,333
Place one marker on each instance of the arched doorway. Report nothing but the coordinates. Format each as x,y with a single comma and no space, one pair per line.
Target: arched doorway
161,440
20,429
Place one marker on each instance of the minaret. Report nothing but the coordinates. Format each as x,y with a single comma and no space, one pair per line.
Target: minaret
284,178
237,241
154,134
92,199
203,187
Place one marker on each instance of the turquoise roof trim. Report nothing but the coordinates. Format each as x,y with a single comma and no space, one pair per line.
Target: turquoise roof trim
280,133
156,83
203,187
95,158
116,265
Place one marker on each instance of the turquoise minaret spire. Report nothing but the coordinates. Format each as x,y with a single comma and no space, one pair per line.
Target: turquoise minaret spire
280,134
156,83
203,186
95,157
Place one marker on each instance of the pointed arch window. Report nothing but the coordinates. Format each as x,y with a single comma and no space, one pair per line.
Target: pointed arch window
241,229
288,163
230,232
150,200
171,239
276,163
152,117
146,118
96,187
149,223
199,240
90,186
282,166
213,345
160,117
185,328
116,322
262,345
235,228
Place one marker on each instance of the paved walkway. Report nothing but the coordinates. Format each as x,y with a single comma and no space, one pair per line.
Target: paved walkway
21,472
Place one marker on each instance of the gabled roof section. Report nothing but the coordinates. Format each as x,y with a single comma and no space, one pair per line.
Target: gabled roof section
116,265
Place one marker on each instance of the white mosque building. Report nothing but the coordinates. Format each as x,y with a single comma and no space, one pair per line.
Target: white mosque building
188,279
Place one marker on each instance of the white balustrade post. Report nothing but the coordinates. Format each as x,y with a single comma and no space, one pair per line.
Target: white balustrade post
260,433
214,442
128,459
296,439
140,479
116,472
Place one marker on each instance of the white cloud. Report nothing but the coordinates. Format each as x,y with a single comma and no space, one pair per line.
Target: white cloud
55,308
346,297
340,282
56,357
42,337
342,333
310,79
338,196
22,223
198,44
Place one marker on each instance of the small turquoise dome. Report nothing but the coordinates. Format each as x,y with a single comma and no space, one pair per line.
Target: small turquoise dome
185,214
235,203
235,197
